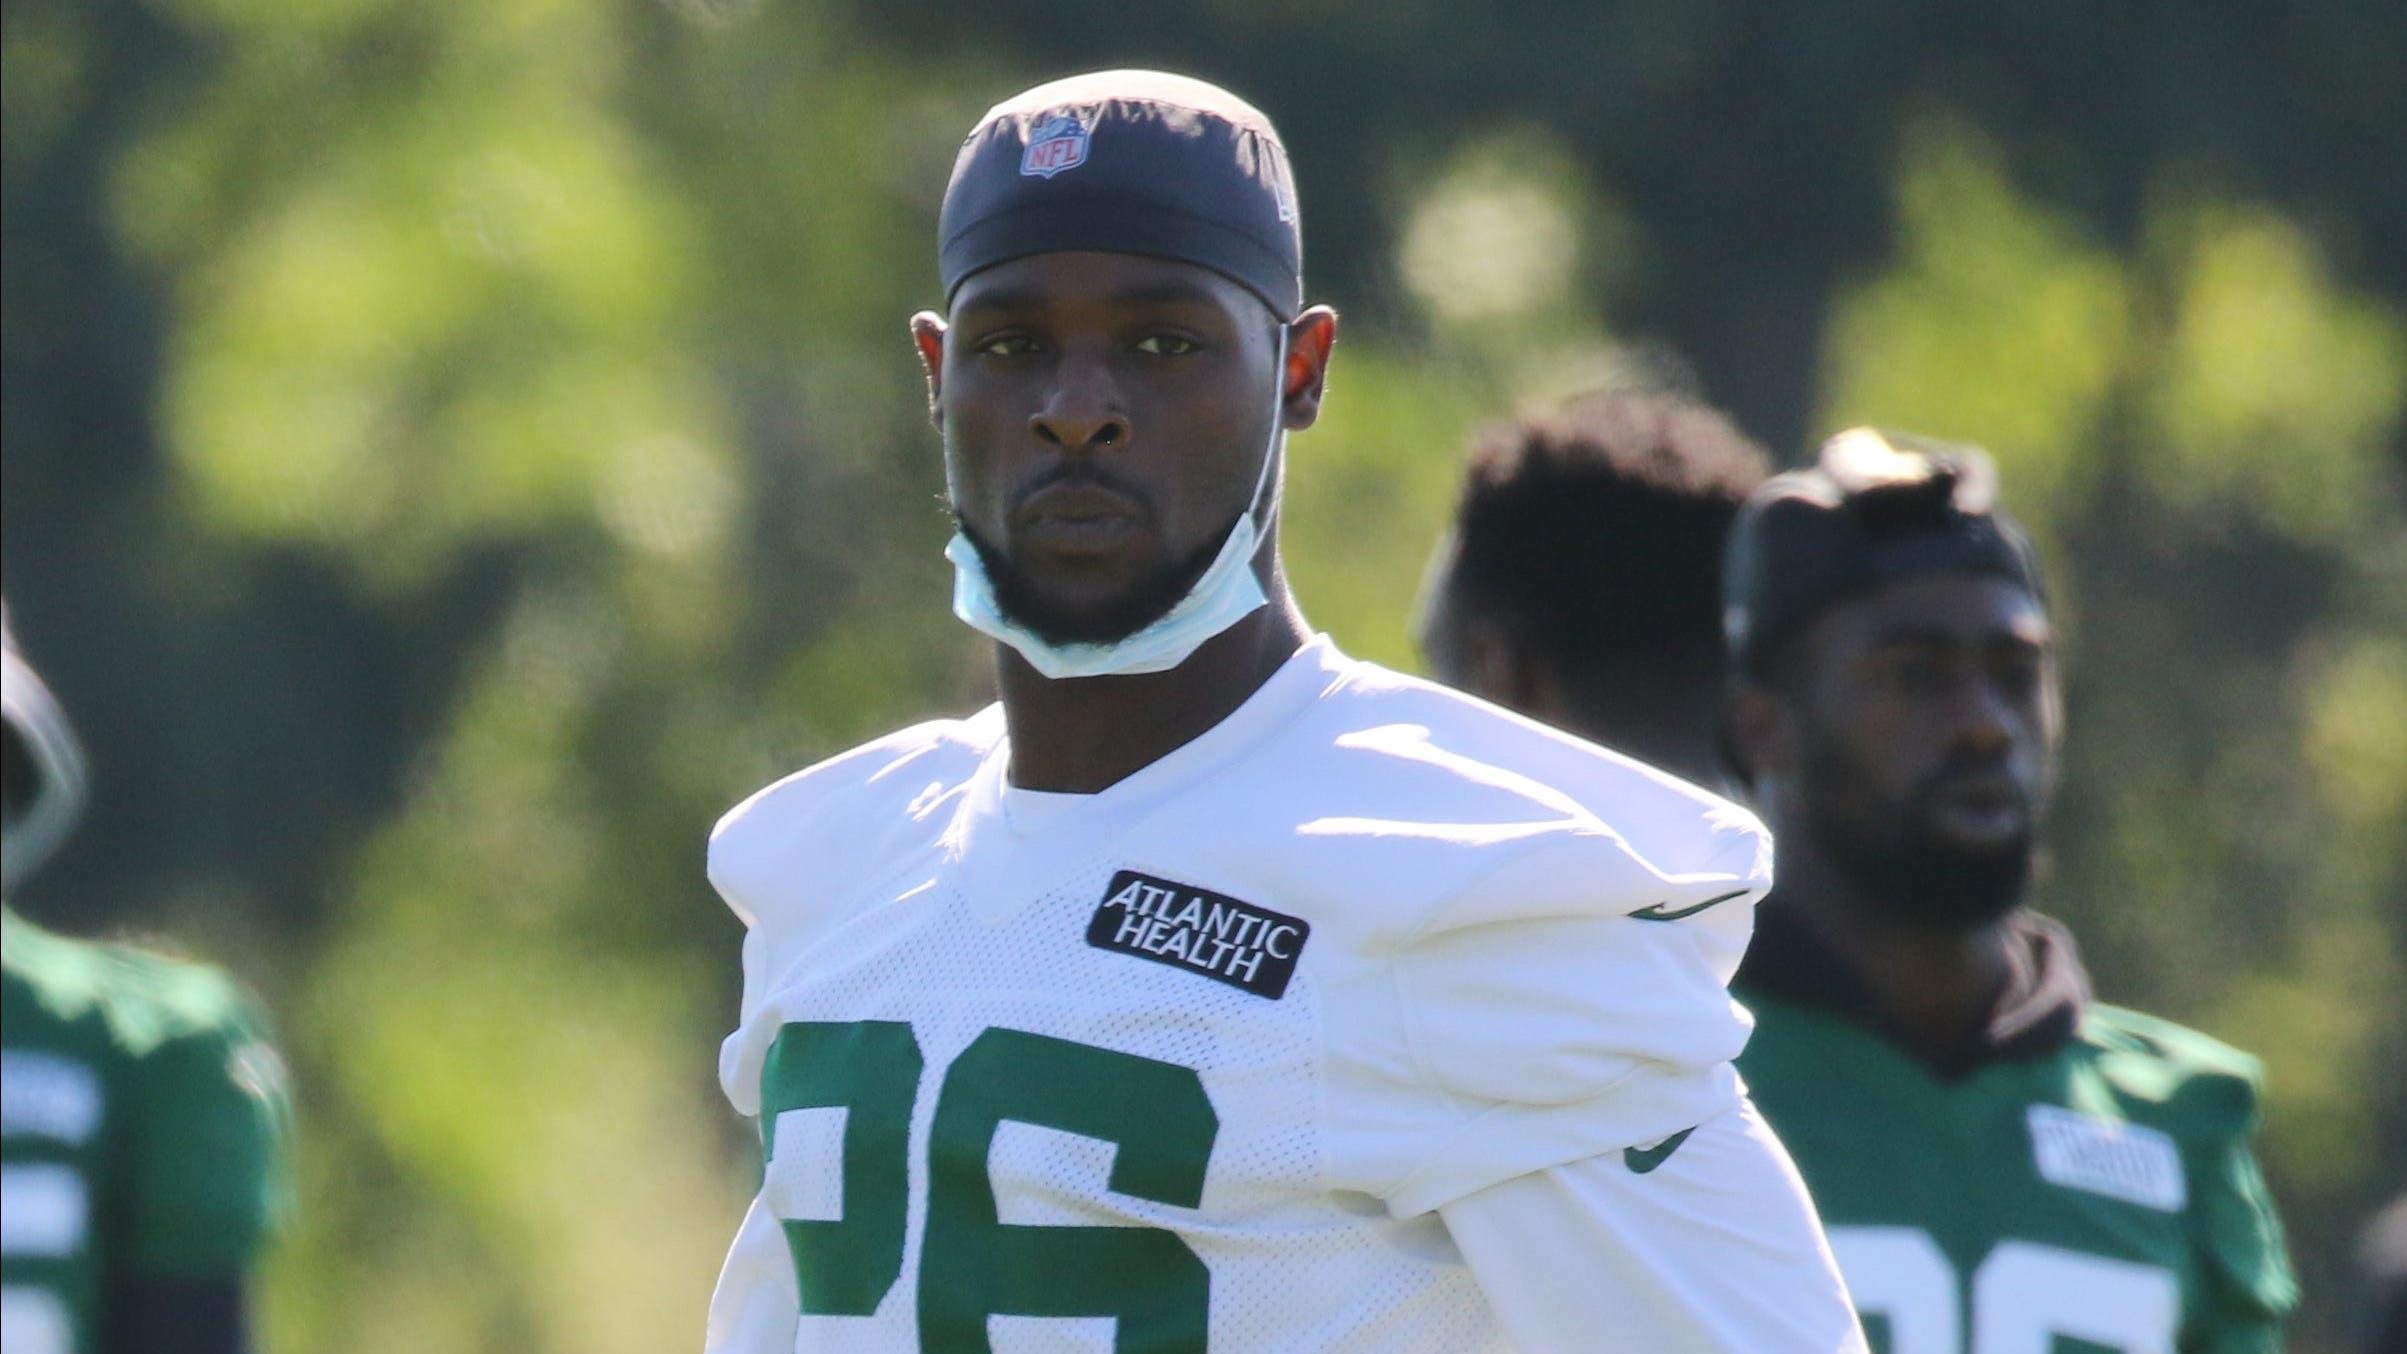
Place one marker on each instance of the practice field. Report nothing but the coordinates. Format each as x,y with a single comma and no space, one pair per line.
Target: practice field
455,452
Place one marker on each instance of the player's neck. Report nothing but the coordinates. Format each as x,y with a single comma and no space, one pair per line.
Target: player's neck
1088,734
1661,722
1934,985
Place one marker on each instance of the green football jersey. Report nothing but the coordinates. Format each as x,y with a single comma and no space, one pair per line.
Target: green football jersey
141,1119
2094,1194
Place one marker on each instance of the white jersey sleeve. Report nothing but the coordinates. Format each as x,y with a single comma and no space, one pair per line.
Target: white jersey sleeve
827,827
1566,997
755,1304
1536,1019
1703,1244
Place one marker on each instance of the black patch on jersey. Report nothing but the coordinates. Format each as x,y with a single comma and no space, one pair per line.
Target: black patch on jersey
1200,931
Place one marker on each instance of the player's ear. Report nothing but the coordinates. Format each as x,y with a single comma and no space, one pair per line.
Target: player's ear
1497,667
1310,337
1758,735
927,334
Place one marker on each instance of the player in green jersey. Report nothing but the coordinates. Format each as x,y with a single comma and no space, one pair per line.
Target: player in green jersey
2005,1165
139,1108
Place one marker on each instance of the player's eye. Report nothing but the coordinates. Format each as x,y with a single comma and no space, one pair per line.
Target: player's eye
2018,674
1167,345
1912,673
1007,344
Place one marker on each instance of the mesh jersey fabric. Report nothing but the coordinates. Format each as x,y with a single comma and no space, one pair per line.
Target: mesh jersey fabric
141,1122
2103,1191
1475,1001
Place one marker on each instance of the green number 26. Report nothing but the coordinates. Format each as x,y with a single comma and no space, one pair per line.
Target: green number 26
973,1265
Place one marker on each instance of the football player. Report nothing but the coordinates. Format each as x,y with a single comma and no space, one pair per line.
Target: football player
139,1109
1214,991
1580,583
2006,1164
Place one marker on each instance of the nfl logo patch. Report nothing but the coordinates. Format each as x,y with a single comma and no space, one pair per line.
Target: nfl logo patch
1058,144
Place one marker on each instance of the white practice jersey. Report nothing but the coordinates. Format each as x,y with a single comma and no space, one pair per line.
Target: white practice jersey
1197,1062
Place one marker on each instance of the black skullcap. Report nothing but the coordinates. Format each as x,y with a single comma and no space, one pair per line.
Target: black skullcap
1130,162
1878,507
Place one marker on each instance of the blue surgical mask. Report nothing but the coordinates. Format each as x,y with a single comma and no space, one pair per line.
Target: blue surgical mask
1226,593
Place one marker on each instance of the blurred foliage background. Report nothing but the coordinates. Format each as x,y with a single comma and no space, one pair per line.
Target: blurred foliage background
454,450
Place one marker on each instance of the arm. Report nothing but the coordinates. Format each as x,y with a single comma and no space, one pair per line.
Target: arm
2249,1288
1712,1249
203,1189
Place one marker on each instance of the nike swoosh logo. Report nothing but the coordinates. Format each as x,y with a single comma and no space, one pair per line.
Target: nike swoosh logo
1642,1160
1663,912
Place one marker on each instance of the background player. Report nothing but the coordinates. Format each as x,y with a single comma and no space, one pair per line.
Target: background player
1214,990
139,1110
1580,583
1915,1083
2005,1164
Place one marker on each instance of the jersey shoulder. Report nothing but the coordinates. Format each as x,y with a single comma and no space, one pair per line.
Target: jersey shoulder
140,1000
2192,1085
1407,743
847,813
1526,938
2203,1093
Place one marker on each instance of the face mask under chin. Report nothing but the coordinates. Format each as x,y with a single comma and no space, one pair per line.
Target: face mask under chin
1022,604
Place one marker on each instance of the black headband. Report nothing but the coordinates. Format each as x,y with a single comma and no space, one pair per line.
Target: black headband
1877,508
1128,162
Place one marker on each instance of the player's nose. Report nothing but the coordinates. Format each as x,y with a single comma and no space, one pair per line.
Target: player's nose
1083,412
1985,720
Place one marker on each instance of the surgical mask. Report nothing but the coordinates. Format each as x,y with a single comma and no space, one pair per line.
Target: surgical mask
1226,593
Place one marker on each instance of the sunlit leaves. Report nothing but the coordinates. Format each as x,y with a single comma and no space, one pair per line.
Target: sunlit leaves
1511,229
473,1013
2278,394
451,319
1999,323
1369,489
2357,733
1485,246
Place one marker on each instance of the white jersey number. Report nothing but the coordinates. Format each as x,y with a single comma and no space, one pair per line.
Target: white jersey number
2022,1299
35,1321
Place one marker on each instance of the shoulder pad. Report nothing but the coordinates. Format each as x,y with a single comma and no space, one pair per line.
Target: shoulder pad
1403,753
2207,1088
812,824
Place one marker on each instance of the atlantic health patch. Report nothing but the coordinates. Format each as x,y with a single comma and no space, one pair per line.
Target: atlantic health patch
1198,930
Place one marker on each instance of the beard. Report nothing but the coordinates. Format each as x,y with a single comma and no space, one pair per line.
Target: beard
1912,873
1922,882
1105,622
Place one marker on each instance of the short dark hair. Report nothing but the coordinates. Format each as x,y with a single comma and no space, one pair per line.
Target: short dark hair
1596,531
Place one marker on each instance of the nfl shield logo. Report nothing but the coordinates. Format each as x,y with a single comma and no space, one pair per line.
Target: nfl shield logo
1057,144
